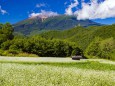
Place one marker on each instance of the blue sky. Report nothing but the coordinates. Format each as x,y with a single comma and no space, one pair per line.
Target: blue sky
16,10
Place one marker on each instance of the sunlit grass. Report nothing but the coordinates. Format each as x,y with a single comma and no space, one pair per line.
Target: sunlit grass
56,72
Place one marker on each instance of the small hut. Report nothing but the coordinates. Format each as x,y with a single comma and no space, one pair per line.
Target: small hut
78,55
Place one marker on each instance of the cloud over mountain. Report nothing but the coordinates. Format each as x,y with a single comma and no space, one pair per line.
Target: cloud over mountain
43,13
68,10
93,10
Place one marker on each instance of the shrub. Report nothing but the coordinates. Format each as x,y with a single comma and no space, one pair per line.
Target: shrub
26,55
6,53
1,52
101,48
14,52
6,45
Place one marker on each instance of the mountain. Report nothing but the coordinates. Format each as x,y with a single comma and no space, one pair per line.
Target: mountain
41,23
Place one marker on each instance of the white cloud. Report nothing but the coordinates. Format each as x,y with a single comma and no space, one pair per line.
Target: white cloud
40,5
65,3
95,10
2,11
43,13
69,11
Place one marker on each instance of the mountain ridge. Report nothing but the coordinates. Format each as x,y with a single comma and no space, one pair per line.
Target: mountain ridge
60,22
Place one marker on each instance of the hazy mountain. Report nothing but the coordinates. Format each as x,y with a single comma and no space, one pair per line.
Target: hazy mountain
40,23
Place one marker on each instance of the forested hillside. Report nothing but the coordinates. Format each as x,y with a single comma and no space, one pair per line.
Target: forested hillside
101,39
82,36
93,42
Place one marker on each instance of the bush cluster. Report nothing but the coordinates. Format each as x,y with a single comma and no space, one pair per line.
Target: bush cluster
14,45
101,48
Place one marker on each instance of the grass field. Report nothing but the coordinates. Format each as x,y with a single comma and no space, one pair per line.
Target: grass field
56,72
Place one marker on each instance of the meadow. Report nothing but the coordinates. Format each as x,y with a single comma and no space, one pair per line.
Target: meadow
56,72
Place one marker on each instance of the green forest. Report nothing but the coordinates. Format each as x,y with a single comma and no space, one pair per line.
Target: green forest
90,42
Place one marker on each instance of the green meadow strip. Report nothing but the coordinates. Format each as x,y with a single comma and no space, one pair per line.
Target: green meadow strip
94,65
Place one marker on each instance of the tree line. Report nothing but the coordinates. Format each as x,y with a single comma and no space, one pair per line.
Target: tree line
14,45
38,45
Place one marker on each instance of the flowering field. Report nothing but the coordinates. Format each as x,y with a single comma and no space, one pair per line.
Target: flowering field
56,72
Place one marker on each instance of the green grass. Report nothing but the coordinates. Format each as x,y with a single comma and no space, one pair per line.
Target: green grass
56,72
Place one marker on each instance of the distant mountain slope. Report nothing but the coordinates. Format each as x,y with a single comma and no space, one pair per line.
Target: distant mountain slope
82,36
61,22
